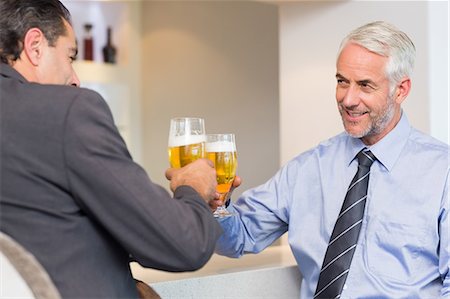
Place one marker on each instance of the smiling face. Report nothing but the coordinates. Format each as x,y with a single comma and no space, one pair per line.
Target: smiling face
368,109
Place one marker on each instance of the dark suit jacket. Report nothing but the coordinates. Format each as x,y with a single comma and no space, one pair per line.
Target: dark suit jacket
71,194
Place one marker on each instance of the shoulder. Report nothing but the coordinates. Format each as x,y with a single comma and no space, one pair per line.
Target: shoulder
72,93
75,106
87,106
326,150
76,103
422,142
56,94
428,152
13,85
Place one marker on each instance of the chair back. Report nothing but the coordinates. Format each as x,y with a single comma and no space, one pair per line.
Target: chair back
21,275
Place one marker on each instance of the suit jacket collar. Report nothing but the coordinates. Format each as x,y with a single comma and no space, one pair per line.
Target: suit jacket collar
7,71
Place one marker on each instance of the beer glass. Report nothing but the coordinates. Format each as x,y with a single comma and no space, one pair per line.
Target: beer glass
186,140
221,150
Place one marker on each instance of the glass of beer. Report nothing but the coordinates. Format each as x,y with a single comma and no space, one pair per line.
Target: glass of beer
186,140
221,150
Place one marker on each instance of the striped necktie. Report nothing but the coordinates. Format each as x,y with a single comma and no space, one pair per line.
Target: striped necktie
342,245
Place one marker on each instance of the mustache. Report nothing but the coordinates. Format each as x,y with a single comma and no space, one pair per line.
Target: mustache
352,109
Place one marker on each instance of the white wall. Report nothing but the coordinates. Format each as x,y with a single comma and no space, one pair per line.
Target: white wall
119,84
439,70
310,34
217,60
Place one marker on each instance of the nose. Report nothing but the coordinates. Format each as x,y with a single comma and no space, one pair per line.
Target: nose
349,97
75,81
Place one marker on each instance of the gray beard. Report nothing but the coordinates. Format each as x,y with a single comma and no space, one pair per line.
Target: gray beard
379,123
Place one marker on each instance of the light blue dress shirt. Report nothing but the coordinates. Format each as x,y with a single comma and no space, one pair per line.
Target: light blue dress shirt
403,249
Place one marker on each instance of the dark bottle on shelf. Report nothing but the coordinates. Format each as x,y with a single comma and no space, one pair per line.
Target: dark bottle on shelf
88,43
109,51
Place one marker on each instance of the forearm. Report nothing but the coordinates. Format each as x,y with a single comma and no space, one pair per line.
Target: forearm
231,242
157,230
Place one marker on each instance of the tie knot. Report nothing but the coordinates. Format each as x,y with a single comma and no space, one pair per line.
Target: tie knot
365,158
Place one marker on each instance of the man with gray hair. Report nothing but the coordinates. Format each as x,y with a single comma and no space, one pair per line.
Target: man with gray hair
382,232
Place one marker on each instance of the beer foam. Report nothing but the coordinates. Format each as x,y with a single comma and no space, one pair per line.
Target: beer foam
220,146
185,140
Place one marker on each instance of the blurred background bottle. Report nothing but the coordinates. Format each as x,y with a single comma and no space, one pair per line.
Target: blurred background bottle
88,42
109,51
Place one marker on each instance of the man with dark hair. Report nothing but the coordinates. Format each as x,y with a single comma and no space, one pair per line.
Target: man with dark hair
70,192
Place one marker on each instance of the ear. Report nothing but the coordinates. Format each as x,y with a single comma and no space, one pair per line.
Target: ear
34,42
402,90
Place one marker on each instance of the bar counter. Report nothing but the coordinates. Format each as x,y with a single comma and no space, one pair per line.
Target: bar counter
270,274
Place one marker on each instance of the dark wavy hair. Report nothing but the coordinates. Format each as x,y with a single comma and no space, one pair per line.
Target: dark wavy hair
19,16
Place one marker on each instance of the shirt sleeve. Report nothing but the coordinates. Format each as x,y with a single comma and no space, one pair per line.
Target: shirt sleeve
262,216
444,248
174,234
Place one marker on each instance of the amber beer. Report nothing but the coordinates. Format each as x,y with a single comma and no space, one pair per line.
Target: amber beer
186,140
186,149
223,155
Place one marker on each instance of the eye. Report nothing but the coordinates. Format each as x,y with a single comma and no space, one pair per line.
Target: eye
72,58
366,86
341,82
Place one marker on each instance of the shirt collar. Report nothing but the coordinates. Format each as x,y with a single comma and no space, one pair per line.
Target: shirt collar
388,149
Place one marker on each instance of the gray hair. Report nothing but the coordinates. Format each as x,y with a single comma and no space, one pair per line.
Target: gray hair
386,40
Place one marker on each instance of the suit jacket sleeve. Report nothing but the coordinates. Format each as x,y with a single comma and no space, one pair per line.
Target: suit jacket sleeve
173,234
